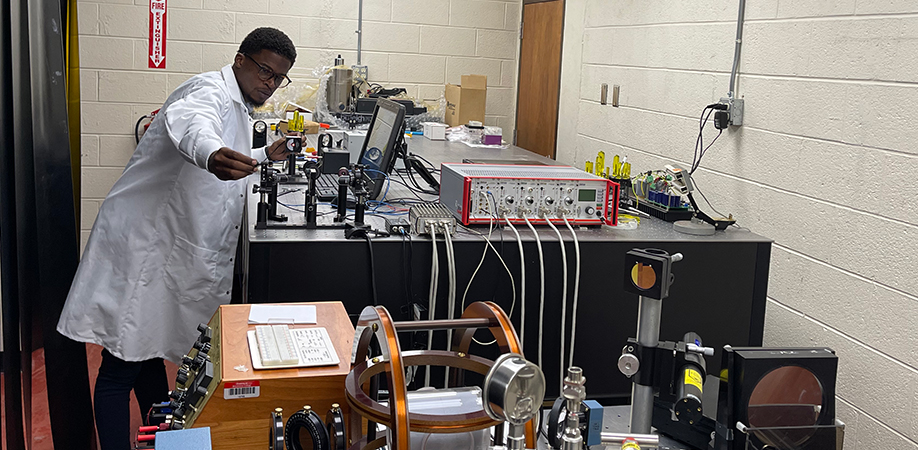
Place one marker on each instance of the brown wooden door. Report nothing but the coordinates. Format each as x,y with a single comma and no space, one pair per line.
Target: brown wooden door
540,76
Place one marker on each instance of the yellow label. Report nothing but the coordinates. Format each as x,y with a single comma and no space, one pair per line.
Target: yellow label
693,377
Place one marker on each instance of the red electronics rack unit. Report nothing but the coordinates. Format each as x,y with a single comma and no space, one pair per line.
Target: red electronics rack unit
480,193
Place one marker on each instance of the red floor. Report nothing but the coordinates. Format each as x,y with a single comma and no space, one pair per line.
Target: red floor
41,426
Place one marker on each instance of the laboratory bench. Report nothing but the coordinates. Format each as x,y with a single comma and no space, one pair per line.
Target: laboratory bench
719,288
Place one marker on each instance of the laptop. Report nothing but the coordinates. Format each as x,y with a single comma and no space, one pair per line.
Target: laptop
378,154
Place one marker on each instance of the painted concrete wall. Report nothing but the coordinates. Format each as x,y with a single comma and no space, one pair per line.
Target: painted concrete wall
824,164
416,44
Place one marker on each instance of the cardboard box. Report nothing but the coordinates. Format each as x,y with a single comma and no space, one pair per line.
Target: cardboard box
467,101
290,107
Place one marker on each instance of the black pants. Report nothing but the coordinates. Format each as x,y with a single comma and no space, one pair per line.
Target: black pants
113,396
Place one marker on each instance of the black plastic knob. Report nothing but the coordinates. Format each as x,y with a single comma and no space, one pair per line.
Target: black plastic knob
203,347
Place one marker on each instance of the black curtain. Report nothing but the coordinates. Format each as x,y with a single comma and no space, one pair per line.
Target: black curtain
39,247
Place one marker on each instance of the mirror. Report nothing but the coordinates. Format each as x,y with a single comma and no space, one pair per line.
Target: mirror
643,276
789,396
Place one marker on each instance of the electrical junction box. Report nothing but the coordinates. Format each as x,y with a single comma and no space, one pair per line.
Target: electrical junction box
361,71
735,109
481,193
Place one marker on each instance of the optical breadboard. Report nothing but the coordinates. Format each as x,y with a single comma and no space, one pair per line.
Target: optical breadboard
480,193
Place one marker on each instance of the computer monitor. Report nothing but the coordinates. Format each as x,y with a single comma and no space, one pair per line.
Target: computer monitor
378,153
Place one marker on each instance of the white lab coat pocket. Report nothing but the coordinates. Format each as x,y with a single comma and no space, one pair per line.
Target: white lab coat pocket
190,271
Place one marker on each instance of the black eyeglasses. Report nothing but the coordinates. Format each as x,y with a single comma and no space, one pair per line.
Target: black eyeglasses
265,74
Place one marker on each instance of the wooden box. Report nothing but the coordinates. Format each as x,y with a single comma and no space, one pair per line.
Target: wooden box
243,423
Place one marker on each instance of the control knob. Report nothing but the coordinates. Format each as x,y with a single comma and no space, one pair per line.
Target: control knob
590,210
568,201
177,394
509,200
203,347
549,201
182,376
530,200
628,364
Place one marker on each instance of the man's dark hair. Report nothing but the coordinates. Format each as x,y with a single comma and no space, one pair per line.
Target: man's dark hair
266,38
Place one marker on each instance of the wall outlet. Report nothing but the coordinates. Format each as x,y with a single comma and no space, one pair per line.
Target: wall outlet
735,109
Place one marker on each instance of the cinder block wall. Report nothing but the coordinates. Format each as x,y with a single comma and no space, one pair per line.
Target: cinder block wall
824,164
416,44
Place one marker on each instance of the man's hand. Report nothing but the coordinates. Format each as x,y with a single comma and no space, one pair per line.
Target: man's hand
227,164
277,151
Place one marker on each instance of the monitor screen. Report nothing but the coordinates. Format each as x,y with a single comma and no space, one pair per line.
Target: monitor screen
378,138
378,152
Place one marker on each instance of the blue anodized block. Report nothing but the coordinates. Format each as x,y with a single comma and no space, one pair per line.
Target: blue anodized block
593,419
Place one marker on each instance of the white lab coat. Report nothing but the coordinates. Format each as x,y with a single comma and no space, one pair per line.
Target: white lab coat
159,260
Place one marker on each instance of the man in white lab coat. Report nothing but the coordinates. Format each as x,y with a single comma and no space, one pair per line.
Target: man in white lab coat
160,256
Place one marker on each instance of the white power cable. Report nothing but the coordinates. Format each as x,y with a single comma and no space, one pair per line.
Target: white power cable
563,298
483,255
576,287
541,284
519,242
451,306
431,312
451,261
481,262
506,268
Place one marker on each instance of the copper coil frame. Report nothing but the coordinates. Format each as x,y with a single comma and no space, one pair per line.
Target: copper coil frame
377,321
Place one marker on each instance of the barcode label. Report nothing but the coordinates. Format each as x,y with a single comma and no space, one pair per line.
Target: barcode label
246,389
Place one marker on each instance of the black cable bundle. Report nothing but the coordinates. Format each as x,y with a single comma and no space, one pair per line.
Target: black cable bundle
700,149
